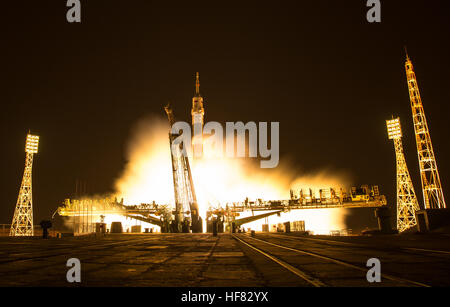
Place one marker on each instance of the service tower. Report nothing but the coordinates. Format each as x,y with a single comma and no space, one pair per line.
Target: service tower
433,196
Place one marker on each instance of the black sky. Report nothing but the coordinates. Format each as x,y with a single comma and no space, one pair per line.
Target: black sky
318,67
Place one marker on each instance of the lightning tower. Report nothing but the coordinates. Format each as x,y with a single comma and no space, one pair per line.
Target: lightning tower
22,223
407,203
197,113
431,183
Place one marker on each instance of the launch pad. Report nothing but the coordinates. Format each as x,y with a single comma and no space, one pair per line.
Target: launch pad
227,215
184,215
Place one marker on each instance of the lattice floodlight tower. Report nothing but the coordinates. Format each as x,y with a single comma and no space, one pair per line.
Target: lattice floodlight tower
407,203
431,183
22,223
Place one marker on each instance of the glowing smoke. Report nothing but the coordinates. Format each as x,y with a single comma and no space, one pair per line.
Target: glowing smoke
147,177
148,172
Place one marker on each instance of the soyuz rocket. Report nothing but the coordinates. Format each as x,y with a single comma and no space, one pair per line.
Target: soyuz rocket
197,113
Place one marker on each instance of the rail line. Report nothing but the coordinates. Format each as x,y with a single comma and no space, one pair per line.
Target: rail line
309,278
428,250
408,250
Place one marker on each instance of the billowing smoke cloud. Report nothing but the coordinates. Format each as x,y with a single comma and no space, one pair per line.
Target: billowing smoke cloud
147,177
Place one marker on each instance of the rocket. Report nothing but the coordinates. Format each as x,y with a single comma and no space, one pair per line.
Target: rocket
197,113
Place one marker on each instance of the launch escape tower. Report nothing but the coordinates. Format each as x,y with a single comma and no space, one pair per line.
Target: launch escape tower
22,223
197,113
407,203
431,184
185,198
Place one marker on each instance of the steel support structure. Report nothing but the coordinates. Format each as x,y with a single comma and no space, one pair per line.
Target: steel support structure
186,206
433,196
22,222
407,204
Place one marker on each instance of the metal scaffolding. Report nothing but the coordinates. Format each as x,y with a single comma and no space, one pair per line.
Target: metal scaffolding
407,203
431,183
22,222
186,207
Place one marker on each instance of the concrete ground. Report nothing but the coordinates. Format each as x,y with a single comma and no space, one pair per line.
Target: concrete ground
183,260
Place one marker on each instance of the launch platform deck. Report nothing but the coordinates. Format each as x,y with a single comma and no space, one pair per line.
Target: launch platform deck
181,260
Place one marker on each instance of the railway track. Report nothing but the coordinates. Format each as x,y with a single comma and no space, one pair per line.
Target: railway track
408,250
310,266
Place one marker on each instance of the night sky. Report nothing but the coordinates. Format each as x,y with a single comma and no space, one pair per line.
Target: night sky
318,67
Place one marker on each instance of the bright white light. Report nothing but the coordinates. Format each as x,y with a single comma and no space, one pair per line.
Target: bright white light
394,128
31,145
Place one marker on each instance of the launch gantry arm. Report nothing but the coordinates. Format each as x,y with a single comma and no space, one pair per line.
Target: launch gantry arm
185,198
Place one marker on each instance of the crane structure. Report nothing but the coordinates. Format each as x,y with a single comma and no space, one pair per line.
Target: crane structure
407,203
22,222
186,213
431,183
